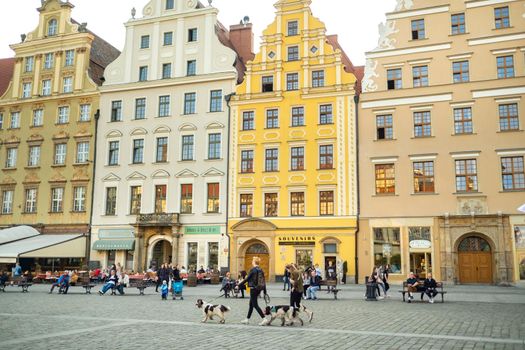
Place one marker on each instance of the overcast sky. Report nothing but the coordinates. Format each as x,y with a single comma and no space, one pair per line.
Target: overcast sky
355,21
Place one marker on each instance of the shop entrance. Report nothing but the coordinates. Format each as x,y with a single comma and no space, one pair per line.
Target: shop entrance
161,253
421,264
475,261
259,250
327,261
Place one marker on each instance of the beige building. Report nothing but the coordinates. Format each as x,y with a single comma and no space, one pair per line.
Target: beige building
442,142
47,126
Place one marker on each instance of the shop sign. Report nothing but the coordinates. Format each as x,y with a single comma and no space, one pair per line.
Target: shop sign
420,244
202,230
296,240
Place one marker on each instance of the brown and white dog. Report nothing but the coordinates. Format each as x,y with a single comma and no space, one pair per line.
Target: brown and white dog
210,311
287,314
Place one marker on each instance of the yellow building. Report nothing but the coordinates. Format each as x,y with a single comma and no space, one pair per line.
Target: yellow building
293,151
47,126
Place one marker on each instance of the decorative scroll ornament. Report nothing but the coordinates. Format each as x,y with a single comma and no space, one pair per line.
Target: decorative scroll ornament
404,5
369,84
385,31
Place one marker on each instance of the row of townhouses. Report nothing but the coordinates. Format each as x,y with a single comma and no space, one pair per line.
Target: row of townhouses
189,148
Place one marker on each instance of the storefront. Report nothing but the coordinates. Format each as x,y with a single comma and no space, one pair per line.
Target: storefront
114,246
519,244
205,246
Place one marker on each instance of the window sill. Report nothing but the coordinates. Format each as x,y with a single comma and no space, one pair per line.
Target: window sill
472,193
159,116
213,112
138,119
384,140
509,131
55,212
385,195
323,169
502,28
188,214
61,124
422,137
58,166
81,164
35,126
109,216
297,170
9,169
275,128
212,214
84,121
247,173
187,114
160,163
115,121
297,126
453,35
6,214
465,134
324,124
135,164
270,171
512,191
32,167
187,161
425,194
418,39
13,128
29,213
78,212
112,165
213,159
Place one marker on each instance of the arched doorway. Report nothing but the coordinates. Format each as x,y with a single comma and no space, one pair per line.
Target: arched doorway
260,250
160,253
475,260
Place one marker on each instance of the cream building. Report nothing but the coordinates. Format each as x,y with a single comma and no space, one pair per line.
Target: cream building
442,142
163,141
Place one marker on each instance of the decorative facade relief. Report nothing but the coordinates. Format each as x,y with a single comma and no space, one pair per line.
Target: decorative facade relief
469,206
404,5
368,83
386,30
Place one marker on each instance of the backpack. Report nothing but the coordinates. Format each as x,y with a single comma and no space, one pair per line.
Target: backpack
259,282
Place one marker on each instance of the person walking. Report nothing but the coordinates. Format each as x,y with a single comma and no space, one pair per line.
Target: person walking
296,279
161,276
286,280
257,283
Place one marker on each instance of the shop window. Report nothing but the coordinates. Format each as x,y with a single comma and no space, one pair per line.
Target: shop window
111,257
387,248
213,255
330,248
129,260
519,235
193,249
304,258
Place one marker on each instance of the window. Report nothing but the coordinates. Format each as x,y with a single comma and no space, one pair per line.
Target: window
138,151
111,201
318,78
193,255
216,101
424,177
30,205
213,198
26,90
508,117
513,173
420,76
166,71
34,156
7,202
247,161
135,201
12,155
144,42
293,28
270,204
57,199
297,159
68,84
164,106
248,120
1,121
246,207
160,199
298,116
458,24
170,4
461,72
463,120
385,179
267,83
292,81
418,29
466,175
326,157
325,114
52,27
385,129
214,146
30,62
293,53
191,68
190,100
272,118
116,111
330,248
187,147
326,203
162,150
60,154
192,35
85,113
422,124
70,58
143,73
297,203
186,199
271,162
501,17
79,199
82,152
15,120
213,255
505,67
46,87
394,81
140,108
48,60
63,115
38,117
387,248
113,152
168,38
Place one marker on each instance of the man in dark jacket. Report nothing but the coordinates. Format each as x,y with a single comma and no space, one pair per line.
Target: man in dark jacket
257,284
430,288
286,280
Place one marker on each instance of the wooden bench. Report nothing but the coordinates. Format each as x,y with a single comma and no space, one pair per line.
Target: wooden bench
332,286
439,290
17,282
141,285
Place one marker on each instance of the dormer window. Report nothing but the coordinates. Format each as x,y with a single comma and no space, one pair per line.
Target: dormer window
52,27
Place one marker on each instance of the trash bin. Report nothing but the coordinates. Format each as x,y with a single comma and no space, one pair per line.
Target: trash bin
192,280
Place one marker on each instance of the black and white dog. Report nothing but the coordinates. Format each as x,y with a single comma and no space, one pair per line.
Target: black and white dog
210,311
288,315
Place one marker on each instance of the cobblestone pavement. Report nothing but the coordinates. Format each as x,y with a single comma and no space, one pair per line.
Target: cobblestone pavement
470,318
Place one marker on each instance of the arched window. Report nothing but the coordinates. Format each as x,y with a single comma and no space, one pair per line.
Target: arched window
474,244
257,249
52,27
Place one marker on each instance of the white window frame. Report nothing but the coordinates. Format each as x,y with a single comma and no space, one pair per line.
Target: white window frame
48,60
79,199
67,85
60,154
15,120
7,201
30,200
63,115
69,58
26,90
38,117
85,112
57,200
34,156
46,87
82,152
11,157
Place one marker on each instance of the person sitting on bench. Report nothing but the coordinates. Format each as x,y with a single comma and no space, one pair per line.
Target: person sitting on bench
430,288
412,284
123,282
3,278
59,282
111,283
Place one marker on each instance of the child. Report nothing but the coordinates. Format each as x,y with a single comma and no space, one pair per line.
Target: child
164,290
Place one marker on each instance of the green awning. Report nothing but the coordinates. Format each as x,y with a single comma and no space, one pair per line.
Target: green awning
114,244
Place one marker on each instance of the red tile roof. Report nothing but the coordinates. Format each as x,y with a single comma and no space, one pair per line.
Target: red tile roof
6,73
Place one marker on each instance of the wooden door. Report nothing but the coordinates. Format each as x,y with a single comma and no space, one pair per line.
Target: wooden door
484,267
467,268
475,267
265,263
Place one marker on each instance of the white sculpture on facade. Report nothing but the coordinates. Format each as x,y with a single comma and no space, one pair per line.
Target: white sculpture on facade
369,84
404,5
385,31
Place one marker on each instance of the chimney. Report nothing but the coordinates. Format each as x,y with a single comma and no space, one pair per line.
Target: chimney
241,37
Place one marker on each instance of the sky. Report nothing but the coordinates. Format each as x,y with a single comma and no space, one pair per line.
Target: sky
355,21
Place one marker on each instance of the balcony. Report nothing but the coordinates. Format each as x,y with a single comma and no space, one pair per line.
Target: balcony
161,219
